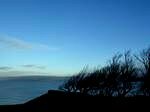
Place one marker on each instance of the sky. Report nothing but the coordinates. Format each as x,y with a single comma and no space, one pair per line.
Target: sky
60,37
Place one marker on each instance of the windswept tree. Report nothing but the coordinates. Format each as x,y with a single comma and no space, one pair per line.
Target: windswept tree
113,73
144,59
127,75
117,78
72,84
120,74
93,82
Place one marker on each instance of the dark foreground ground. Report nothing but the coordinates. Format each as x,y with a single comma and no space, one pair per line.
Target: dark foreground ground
61,101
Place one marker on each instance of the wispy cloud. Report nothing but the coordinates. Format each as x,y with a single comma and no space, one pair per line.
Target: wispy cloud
5,68
34,66
19,44
14,43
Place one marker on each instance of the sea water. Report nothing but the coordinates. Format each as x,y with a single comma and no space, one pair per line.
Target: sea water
16,90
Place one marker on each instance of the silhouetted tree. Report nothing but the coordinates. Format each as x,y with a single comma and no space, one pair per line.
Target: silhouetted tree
127,75
72,84
113,73
118,78
93,82
115,79
144,59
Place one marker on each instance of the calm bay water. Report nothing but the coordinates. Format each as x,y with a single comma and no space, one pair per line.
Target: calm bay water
14,90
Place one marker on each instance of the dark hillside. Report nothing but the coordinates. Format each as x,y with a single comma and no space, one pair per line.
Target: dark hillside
58,100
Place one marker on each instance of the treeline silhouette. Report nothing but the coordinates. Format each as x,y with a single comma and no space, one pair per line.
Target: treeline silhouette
125,75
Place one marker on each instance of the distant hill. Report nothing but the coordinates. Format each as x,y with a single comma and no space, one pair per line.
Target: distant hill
33,78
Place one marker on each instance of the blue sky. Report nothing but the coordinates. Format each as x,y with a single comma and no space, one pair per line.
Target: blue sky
60,37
